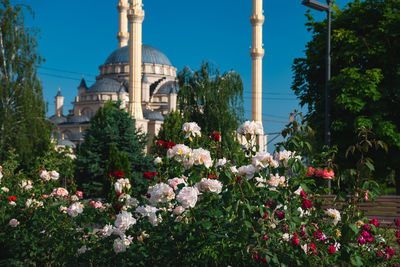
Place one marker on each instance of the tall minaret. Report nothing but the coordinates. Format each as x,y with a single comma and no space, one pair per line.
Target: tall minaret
257,53
136,17
123,34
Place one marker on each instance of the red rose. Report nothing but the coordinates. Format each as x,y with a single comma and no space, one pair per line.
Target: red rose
374,222
281,215
310,172
118,174
147,175
216,137
306,204
303,194
169,145
295,240
12,198
160,143
331,249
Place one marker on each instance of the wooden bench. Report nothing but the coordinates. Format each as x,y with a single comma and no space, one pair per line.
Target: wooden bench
385,208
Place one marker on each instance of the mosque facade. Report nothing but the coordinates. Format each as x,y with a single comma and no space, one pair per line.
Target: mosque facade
152,83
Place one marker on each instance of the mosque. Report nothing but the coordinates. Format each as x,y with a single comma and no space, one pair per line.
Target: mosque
157,88
144,80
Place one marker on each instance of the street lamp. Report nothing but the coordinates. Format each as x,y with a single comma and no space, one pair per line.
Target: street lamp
325,7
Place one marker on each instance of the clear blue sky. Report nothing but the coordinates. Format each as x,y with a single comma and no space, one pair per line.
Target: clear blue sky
77,36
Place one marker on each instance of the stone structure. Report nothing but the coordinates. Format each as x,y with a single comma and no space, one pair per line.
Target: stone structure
257,53
141,76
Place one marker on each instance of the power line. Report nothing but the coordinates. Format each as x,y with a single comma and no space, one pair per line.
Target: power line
68,71
268,93
61,76
276,121
275,98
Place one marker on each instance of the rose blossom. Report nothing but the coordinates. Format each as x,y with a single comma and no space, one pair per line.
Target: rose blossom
161,193
14,222
179,210
263,159
119,246
179,152
334,214
79,194
175,182
331,249
107,230
146,210
209,185
187,197
54,175
250,128
124,221
221,163
5,189
75,209
276,180
310,172
247,171
158,160
60,192
45,175
202,157
191,129
285,156
306,204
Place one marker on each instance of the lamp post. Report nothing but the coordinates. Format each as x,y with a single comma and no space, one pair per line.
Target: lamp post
325,7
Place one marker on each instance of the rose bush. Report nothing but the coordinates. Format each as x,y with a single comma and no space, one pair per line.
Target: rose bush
200,209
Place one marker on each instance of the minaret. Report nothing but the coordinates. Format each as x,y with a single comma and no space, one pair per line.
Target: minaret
136,17
257,53
123,34
59,104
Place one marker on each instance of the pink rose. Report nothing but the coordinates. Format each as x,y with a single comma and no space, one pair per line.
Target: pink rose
328,174
179,210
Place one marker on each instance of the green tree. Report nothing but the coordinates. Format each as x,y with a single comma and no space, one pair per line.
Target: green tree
365,84
23,123
111,141
212,100
171,130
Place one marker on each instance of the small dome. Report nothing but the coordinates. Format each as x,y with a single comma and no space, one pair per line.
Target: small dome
65,143
78,119
58,120
105,85
153,115
167,88
149,55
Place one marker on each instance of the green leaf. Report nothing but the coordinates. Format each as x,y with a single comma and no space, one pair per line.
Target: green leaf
356,260
354,228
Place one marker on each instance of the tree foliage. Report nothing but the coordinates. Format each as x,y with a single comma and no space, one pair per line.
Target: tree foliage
365,84
23,123
212,100
111,142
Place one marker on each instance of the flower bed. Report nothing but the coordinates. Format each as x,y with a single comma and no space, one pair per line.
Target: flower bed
200,209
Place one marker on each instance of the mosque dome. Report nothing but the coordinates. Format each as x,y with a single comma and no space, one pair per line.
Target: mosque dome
78,119
58,120
149,55
152,115
105,85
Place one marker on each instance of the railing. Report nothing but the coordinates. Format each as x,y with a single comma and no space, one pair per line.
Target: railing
385,208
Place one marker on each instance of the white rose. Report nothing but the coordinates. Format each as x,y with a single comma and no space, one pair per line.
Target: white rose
158,160
124,221
119,246
54,175
45,176
187,197
5,189
175,182
14,222
248,171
